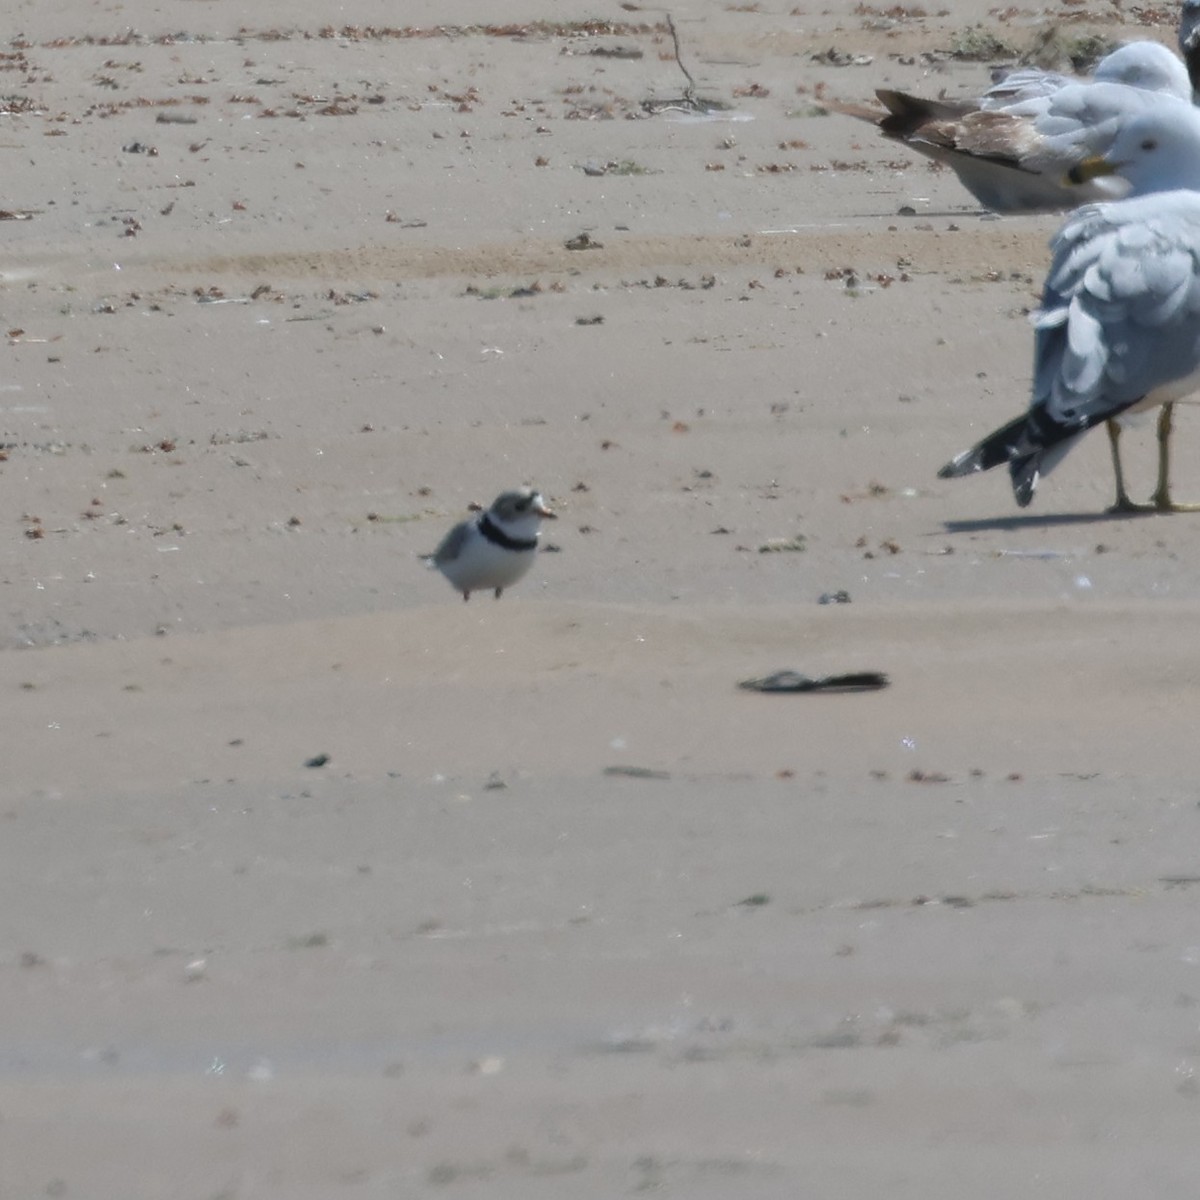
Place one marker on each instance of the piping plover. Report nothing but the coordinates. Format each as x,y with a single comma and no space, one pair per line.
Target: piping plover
494,549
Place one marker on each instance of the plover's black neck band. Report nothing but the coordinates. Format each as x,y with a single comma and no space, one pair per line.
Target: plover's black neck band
498,537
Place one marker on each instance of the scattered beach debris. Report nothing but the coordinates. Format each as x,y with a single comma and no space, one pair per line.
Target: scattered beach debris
794,681
977,44
583,241
918,776
841,596
627,52
783,545
637,772
688,101
1054,50
833,57
613,166
317,760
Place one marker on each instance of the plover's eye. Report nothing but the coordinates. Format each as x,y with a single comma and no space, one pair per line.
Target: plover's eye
1150,144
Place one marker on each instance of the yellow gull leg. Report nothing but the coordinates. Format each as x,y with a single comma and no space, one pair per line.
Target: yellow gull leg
1122,504
1162,493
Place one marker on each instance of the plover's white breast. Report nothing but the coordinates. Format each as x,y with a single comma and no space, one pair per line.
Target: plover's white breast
482,565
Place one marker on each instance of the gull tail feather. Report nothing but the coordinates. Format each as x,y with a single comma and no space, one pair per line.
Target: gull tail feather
1030,445
860,112
906,113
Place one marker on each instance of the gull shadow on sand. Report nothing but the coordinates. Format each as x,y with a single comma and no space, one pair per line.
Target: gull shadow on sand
949,214
931,214
1020,521
913,219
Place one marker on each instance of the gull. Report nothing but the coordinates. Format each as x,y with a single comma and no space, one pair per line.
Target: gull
1141,64
1118,330
1012,146
496,548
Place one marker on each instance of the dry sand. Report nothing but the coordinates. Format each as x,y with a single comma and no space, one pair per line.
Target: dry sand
938,941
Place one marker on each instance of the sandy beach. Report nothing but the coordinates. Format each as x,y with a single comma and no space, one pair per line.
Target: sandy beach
321,882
